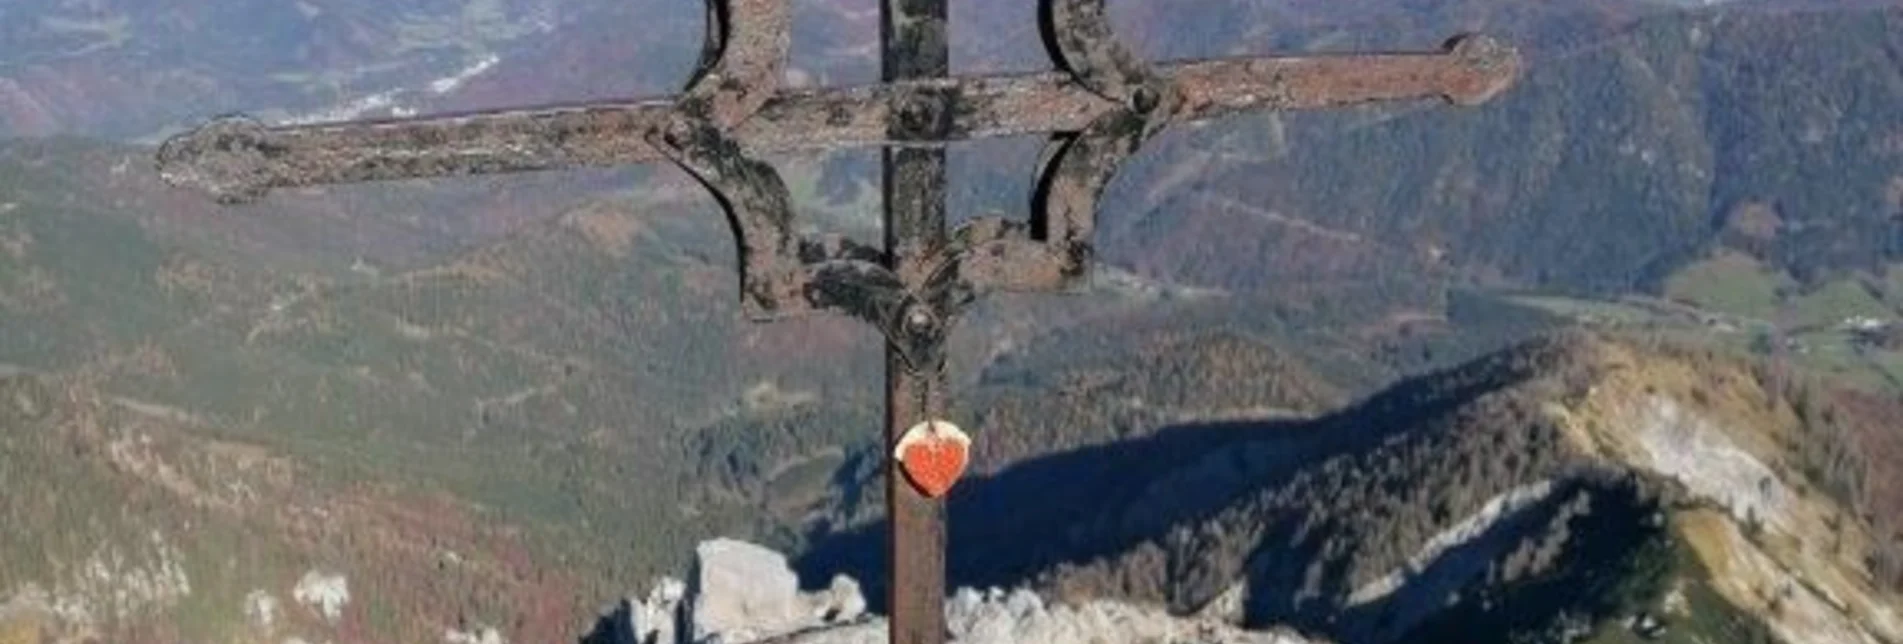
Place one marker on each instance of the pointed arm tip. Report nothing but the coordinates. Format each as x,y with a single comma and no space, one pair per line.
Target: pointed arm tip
1492,66
225,158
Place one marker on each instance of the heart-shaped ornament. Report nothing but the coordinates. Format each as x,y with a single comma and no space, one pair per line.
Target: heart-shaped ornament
933,455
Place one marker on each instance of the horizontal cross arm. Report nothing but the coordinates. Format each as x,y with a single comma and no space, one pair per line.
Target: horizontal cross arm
1471,71
237,159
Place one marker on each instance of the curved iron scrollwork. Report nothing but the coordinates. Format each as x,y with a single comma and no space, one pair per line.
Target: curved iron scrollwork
1054,251
781,272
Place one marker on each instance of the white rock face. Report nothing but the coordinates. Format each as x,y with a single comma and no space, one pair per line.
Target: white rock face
656,617
1461,533
1000,617
1820,599
745,594
484,635
322,592
261,609
1019,616
1702,457
742,591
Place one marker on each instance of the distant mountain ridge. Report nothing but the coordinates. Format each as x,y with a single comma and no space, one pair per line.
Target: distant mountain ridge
1642,128
1603,170
114,68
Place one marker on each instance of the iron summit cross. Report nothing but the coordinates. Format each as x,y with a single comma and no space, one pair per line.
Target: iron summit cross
1100,104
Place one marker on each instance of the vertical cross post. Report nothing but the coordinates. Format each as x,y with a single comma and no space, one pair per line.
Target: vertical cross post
913,47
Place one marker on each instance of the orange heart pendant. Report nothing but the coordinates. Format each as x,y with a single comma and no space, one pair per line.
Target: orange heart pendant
933,455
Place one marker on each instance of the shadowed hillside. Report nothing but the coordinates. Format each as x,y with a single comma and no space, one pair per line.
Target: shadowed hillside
1566,483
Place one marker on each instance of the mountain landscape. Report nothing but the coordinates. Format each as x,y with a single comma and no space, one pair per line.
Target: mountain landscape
1613,358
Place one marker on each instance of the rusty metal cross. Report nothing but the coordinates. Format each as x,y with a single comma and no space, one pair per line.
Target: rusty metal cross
1100,104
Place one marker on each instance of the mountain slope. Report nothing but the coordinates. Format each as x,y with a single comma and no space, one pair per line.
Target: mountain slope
1497,492
160,531
1611,163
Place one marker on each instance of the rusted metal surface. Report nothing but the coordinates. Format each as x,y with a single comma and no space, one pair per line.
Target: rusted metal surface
1076,166
235,158
741,62
1100,105
913,47
780,273
1471,70
1078,37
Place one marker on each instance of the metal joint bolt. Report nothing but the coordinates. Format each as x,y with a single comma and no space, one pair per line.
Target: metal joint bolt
916,115
919,320
678,133
1145,100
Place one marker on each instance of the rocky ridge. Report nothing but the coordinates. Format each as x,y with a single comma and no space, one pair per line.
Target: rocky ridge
1631,472
739,593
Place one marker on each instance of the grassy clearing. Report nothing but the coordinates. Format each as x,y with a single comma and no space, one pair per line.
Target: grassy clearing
1736,303
1731,284
1830,304
1595,311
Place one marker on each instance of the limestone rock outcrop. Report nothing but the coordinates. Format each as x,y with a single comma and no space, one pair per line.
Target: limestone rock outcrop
741,593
